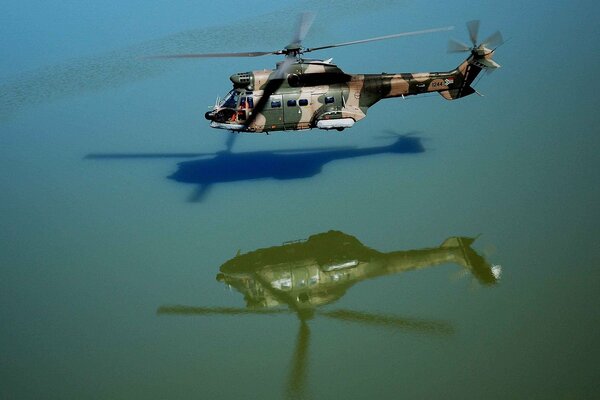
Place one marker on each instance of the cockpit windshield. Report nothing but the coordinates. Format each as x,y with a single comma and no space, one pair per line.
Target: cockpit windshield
231,100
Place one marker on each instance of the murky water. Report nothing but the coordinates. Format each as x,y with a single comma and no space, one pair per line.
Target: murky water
435,250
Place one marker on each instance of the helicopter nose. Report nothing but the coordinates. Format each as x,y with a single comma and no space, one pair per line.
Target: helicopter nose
209,116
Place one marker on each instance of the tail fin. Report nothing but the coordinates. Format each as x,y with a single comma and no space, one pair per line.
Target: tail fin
469,259
464,75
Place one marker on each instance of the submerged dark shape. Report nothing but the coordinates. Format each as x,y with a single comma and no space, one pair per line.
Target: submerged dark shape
305,275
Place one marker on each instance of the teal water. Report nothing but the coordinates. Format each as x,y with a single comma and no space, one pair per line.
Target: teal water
91,249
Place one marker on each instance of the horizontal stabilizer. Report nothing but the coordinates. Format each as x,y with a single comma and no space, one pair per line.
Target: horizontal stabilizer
486,63
455,241
452,94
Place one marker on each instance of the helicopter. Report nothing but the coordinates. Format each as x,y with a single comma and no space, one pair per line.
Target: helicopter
301,276
309,273
302,93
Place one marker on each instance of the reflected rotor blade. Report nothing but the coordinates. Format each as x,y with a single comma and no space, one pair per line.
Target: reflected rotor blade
271,87
217,55
421,32
473,28
305,21
297,378
189,310
408,324
455,46
494,40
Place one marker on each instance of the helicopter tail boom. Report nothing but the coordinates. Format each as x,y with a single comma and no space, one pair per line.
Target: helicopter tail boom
464,75
451,85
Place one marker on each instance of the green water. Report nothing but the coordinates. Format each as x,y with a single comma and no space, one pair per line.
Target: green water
93,250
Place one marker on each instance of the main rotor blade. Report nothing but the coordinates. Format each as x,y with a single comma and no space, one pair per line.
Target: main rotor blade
217,55
189,310
473,28
414,33
454,46
271,87
305,21
408,324
494,40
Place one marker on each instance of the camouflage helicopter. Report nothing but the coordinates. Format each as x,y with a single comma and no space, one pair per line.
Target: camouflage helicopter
305,93
306,275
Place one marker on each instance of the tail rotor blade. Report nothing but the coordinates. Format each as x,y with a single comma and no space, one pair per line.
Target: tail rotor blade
494,40
454,46
473,28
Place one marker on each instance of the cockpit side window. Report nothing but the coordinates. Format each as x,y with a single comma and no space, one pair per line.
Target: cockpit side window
231,99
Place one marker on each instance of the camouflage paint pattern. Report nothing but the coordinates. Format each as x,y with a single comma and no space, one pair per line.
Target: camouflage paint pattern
315,90
319,270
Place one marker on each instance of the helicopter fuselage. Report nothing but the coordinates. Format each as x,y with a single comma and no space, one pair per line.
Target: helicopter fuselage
318,271
318,94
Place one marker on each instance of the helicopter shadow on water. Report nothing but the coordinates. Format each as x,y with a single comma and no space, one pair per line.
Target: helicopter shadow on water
227,166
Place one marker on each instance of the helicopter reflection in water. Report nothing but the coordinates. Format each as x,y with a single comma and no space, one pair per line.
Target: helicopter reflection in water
305,275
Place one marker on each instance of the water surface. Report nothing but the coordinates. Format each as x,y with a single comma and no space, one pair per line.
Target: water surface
94,250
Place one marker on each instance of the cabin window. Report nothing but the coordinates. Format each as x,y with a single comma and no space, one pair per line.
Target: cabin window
329,100
246,102
303,102
291,103
275,104
303,297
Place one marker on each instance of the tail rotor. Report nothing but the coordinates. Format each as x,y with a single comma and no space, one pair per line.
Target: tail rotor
489,44
481,51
